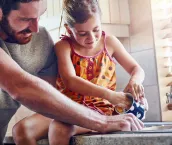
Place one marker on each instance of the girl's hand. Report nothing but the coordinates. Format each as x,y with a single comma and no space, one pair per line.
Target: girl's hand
119,98
144,103
136,89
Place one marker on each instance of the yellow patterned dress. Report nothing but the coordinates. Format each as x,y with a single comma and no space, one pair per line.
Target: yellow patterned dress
98,69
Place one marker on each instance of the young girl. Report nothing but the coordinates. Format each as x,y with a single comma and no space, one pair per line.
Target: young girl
86,74
86,64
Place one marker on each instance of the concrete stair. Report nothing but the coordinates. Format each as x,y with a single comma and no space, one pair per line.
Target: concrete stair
116,138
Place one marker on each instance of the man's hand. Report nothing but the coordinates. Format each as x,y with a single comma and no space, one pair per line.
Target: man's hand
125,122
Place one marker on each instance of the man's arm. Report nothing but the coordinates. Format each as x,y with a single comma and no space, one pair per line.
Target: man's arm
41,97
50,79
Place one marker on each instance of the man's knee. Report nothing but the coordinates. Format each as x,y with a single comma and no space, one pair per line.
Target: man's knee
60,133
62,129
20,132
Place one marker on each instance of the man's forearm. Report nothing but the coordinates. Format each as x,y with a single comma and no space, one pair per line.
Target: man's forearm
41,97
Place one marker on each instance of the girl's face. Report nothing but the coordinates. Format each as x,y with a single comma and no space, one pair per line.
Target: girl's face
89,33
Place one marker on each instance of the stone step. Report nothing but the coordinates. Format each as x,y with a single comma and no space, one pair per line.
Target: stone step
116,138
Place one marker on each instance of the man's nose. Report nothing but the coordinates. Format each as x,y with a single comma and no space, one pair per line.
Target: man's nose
34,26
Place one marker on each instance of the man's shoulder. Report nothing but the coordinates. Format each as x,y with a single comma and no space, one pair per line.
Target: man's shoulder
4,47
42,36
42,32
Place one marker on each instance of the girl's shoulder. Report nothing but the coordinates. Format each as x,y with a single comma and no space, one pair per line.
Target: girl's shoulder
62,44
111,43
111,40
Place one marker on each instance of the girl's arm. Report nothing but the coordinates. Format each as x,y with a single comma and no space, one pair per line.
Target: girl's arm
130,65
79,85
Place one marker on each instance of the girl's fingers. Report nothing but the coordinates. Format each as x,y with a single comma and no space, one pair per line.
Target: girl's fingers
142,101
134,94
146,104
137,91
140,90
126,89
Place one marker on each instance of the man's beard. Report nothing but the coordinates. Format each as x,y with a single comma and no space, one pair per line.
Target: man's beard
12,36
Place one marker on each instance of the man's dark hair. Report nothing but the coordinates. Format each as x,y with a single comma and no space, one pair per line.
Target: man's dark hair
8,5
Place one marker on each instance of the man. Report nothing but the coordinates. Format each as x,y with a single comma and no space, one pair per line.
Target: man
26,54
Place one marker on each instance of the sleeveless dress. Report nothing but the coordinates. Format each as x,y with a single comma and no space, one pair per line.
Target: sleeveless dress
99,70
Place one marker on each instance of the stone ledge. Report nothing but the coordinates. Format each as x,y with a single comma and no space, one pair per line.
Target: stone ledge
115,139
124,139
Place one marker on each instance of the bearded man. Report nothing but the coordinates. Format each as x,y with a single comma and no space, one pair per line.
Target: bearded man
26,58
